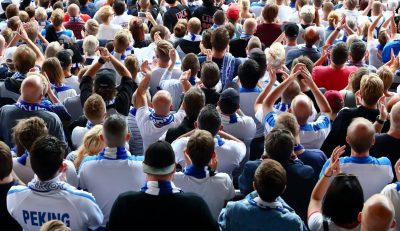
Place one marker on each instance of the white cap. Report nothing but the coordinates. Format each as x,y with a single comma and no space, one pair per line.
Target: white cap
9,54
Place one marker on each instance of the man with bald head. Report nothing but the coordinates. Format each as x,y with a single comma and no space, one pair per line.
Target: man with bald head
373,173
311,37
237,47
75,22
312,134
33,89
154,118
377,214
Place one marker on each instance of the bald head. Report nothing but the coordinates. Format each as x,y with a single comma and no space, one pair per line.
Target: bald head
32,89
360,135
249,26
302,108
73,10
377,214
194,25
395,117
162,102
311,35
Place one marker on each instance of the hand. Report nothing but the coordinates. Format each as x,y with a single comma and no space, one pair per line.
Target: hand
296,70
397,169
145,69
149,16
157,37
185,76
213,163
383,114
334,165
22,32
172,56
187,159
104,54
307,78
342,22
208,53
271,74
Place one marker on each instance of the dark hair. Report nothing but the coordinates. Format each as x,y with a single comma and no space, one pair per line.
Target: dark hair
209,74
270,180
343,200
279,145
119,7
357,50
260,58
57,5
137,30
114,130
159,28
194,101
270,12
219,17
249,74
209,119
304,60
26,130
339,53
200,148
106,93
6,163
11,11
46,156
220,39
31,11
190,61
231,29
170,1
206,39
355,80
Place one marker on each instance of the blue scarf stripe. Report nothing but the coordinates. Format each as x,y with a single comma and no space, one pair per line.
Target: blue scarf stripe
121,154
195,172
22,159
160,188
161,121
30,106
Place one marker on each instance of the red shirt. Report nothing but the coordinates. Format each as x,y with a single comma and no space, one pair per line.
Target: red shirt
332,78
268,33
85,17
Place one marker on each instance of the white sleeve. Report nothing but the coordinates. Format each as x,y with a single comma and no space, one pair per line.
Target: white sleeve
179,116
72,177
240,148
92,213
230,188
143,119
81,177
178,146
315,221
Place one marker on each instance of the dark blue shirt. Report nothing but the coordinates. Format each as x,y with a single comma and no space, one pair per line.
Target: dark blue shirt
89,9
395,45
315,158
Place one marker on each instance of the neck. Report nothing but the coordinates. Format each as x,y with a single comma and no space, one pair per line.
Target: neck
336,66
361,154
160,113
31,101
159,178
67,72
163,64
367,106
394,133
7,179
291,43
218,54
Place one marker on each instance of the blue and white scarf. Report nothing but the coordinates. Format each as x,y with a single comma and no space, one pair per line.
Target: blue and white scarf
89,125
283,107
161,121
227,69
256,89
23,158
30,106
127,52
156,188
232,118
196,172
47,186
298,147
192,37
60,88
76,19
18,75
245,36
276,205
220,141
119,153
133,110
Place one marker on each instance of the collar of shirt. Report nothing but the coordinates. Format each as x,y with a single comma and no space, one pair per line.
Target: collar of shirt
47,186
231,119
276,205
196,172
118,153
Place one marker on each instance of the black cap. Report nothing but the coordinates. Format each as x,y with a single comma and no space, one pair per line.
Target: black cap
291,29
159,159
65,57
229,101
105,78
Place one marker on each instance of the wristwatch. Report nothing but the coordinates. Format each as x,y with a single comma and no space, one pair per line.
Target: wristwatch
378,119
101,60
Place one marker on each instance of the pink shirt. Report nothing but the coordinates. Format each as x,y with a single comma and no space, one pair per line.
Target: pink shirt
332,78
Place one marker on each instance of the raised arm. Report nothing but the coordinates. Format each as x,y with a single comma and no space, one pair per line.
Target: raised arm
267,89
24,36
141,99
104,57
371,28
368,8
119,67
329,41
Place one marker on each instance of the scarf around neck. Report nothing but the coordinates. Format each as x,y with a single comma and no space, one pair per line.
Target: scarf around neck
160,188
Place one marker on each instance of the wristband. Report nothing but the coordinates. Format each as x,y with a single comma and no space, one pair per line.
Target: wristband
327,175
379,121
101,61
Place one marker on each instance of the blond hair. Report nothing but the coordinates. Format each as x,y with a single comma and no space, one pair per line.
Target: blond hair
52,68
57,17
105,12
371,89
90,146
334,16
92,27
386,75
94,108
132,64
40,14
54,225
307,13
90,44
162,50
275,55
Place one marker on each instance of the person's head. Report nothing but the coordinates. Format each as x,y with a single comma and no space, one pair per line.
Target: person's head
233,13
355,78
54,225
292,90
339,54
376,8
53,70
343,200
219,17
335,100
115,131
291,31
360,135
136,28
170,2
6,162
119,7
91,27
275,55
57,17
11,11
13,23
91,145
311,35
371,89
279,145
249,74
334,17
200,148
250,26
105,83
46,156
40,14
56,5
387,77
307,14
94,109
179,30
304,60
327,9
106,14
230,28
52,49
209,119
25,132
33,88
194,25
229,101
144,4
219,39
132,64
245,6
158,28
191,62
24,58
24,16
206,39
73,10
350,4
159,160
269,180
383,38
194,100
378,214
357,50
259,56
8,34
65,58
301,107
209,74
162,102
31,29
270,12
122,39
162,51
90,44
287,121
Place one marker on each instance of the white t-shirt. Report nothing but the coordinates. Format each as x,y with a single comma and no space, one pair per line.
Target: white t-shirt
243,128
73,82
229,153
391,191
106,177
156,78
65,93
373,58
150,133
284,13
215,190
122,20
247,100
315,223
107,32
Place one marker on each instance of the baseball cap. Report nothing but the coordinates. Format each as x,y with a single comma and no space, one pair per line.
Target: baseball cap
335,99
65,56
229,101
105,78
291,29
9,54
159,159
233,12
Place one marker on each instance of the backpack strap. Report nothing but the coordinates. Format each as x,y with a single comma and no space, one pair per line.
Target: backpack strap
325,224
